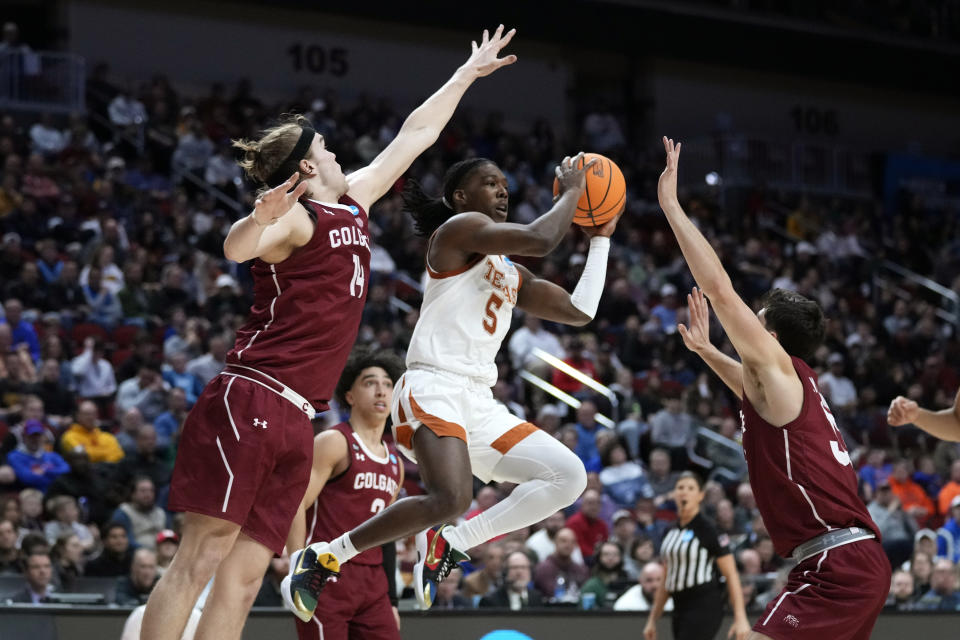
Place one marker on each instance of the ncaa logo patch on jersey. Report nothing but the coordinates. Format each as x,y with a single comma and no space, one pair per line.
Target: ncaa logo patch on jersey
354,210
393,459
687,536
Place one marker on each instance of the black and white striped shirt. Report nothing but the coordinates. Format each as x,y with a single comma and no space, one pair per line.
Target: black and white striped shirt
691,552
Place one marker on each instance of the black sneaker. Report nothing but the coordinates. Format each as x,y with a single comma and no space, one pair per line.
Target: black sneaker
310,569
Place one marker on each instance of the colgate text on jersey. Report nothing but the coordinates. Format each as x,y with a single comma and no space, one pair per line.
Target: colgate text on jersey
377,481
348,236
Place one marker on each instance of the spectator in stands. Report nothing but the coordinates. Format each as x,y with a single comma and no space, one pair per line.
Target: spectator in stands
111,276
587,428
45,138
587,525
93,373
167,544
67,557
176,375
640,596
130,423
576,359
209,365
503,393
746,509
101,446
141,516
144,461
226,303
661,477
558,576
899,320
31,511
104,305
448,594
66,520
901,596
84,483
837,388
55,396
146,392
223,172
672,429
608,579
666,310
193,150
921,568
516,593
23,331
624,530
950,528
875,470
648,524
135,588
943,594
169,422
28,288
913,499
623,480
528,337
134,298
117,555
489,577
9,554
950,490
543,544
35,466
39,574
897,527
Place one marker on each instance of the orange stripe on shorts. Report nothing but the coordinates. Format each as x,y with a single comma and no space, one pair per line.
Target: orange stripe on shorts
438,425
405,436
400,412
507,441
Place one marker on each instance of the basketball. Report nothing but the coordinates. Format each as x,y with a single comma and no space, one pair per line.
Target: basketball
604,195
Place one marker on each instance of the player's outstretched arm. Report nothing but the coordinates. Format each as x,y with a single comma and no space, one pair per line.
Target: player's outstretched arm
767,369
546,300
269,226
942,424
423,126
330,457
696,338
473,232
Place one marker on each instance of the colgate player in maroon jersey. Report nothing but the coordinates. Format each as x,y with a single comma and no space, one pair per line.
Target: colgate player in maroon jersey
243,463
802,478
355,474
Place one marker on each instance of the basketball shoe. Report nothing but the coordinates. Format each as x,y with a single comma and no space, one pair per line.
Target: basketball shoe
436,559
310,569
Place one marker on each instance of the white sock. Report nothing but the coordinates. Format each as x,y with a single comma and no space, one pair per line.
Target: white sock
549,477
342,549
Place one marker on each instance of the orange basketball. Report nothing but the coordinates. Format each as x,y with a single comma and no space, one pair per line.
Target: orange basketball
604,195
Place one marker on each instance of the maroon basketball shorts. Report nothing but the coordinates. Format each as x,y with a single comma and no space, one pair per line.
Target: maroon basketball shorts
837,594
355,607
244,456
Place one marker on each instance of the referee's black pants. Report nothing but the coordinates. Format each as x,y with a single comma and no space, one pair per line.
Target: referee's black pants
697,613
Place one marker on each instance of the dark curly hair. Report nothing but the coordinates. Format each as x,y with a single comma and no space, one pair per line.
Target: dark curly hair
362,358
797,321
429,213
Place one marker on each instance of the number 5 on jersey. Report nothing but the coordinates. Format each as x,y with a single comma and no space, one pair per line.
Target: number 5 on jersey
356,284
494,302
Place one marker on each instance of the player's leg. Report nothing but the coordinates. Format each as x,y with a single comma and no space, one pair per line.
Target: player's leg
374,619
204,544
549,477
234,589
444,464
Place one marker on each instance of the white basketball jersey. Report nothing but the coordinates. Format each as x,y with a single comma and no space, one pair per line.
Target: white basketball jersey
464,317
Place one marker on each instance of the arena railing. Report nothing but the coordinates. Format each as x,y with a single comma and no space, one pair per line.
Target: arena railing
45,81
949,309
558,364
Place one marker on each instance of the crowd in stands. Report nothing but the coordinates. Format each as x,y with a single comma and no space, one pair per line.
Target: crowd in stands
118,307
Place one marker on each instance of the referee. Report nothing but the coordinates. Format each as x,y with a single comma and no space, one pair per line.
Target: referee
689,552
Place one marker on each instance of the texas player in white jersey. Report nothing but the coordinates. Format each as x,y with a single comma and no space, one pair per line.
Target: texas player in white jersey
444,414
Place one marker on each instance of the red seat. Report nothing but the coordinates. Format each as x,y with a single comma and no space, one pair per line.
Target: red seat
120,356
86,329
124,336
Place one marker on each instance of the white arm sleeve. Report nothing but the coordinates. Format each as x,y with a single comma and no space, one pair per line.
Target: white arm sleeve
586,296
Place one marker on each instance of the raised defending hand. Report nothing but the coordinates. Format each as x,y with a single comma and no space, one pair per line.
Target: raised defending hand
276,202
696,337
483,60
569,177
902,411
667,186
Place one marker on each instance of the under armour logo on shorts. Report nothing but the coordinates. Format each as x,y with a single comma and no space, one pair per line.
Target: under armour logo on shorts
257,422
792,621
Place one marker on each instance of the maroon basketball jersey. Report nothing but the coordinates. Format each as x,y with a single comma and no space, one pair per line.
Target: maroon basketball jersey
367,486
801,474
306,309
